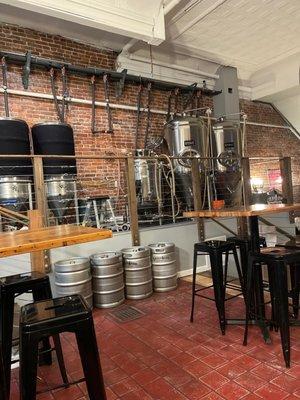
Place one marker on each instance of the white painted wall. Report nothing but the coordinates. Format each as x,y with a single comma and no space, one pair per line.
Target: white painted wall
290,108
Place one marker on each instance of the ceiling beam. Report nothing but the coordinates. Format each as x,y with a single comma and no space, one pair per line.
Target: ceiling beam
176,31
131,21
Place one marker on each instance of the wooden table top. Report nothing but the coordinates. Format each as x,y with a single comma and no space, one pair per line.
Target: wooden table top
255,210
26,241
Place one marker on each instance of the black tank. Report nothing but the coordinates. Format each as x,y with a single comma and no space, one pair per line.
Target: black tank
51,138
14,139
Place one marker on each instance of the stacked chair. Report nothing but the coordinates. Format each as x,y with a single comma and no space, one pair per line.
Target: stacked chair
279,260
45,318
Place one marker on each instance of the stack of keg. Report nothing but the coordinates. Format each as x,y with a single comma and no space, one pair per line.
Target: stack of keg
164,266
143,269
108,279
138,274
73,276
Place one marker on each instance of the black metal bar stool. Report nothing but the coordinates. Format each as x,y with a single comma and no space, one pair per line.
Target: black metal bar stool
215,249
243,243
277,258
10,287
51,317
3,393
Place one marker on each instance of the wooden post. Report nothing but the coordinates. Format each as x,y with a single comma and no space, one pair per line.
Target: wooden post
287,182
132,201
39,188
242,224
196,180
37,257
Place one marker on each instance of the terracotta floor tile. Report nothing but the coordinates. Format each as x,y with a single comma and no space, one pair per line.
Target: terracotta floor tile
183,359
124,386
110,394
266,371
212,396
232,391
214,360
252,396
44,396
73,392
231,370
170,351
287,382
250,381
172,373
139,394
271,392
114,376
214,380
199,351
145,376
162,390
294,371
194,390
197,368
162,356
247,362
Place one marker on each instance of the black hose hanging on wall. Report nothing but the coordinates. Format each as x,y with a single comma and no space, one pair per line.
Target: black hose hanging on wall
4,79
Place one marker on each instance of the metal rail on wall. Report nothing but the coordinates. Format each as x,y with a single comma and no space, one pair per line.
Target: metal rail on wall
79,204
90,71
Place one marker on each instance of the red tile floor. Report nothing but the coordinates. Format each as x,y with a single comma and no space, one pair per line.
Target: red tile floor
163,356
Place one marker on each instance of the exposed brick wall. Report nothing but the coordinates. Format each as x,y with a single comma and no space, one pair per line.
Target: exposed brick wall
261,141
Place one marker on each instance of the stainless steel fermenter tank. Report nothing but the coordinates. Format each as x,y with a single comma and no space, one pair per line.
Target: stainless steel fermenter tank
15,173
227,148
186,136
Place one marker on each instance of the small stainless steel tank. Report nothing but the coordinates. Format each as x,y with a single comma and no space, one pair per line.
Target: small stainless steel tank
138,274
73,276
164,266
108,279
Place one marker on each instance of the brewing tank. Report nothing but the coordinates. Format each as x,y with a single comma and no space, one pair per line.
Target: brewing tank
185,136
16,173
54,138
144,170
226,150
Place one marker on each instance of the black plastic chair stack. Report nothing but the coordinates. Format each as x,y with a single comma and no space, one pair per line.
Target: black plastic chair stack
10,287
215,249
51,317
278,259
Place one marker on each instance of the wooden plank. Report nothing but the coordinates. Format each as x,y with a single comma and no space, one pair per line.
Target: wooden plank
13,213
39,187
132,202
254,210
20,242
242,223
246,176
287,182
196,181
37,258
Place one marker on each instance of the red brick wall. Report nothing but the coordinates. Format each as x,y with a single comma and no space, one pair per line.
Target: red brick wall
260,141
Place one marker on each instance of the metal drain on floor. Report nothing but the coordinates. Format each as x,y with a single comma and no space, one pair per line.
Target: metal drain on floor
126,314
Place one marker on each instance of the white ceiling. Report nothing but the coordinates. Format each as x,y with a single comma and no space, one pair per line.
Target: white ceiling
199,35
248,34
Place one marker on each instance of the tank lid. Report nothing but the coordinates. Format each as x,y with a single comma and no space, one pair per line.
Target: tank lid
13,119
55,123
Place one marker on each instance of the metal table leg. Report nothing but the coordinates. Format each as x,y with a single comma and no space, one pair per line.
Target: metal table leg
259,307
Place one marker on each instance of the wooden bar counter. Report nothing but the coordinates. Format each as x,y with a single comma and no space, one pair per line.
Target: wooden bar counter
26,241
255,210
